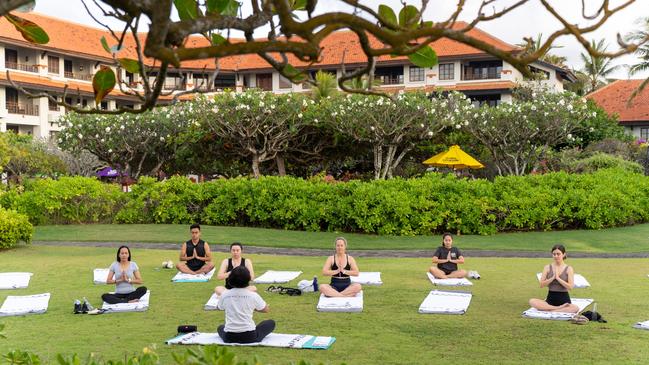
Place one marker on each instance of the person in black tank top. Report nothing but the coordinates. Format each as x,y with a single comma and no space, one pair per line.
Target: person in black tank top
445,260
228,264
559,278
195,255
340,267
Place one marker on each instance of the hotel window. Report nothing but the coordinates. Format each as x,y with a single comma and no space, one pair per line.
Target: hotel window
284,83
52,64
446,71
416,73
644,134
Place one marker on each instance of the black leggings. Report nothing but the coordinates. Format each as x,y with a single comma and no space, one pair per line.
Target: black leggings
124,298
262,330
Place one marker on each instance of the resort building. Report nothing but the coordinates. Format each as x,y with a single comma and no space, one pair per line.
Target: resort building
64,68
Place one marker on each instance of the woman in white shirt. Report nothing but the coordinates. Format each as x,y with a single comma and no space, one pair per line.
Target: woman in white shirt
239,303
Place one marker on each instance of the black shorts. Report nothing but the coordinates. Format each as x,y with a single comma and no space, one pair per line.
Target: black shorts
194,266
447,271
557,298
340,285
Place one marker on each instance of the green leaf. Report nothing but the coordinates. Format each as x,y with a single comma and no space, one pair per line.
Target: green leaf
223,7
218,39
29,30
103,83
427,24
187,9
299,5
424,57
388,15
104,43
409,16
129,65
293,73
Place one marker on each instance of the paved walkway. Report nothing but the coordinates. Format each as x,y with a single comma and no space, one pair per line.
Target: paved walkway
358,253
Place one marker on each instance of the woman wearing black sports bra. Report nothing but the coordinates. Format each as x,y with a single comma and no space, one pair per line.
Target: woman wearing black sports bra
559,278
340,267
227,265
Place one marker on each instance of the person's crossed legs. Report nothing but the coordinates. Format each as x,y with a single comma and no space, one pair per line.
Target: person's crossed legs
442,274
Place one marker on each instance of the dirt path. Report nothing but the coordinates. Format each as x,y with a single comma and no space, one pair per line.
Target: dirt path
358,253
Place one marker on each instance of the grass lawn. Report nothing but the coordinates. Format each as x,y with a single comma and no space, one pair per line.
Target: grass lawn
388,331
613,240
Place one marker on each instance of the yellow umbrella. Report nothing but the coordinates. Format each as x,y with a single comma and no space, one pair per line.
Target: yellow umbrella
454,158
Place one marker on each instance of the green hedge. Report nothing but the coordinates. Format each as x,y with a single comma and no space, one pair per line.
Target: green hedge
432,204
14,227
69,200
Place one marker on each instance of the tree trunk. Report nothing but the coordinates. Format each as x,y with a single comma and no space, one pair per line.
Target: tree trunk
255,165
281,167
378,157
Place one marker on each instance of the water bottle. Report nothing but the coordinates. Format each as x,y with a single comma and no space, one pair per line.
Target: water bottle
315,283
88,305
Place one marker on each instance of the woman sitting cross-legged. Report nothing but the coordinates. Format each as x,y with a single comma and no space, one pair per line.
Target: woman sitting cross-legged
559,278
340,267
239,303
124,273
236,260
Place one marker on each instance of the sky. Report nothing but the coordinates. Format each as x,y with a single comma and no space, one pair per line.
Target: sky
527,21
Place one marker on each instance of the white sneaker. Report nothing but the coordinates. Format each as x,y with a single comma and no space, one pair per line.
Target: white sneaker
474,275
170,264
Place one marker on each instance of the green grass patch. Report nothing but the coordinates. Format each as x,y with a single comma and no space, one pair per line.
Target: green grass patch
612,240
388,331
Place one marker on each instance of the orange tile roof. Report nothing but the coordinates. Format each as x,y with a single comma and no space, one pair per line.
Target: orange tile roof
614,97
84,41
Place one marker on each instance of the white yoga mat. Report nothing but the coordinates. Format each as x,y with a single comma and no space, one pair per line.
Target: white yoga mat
211,303
140,306
445,302
190,278
449,282
26,304
642,325
277,277
367,278
558,316
14,280
580,281
341,304
272,340
99,276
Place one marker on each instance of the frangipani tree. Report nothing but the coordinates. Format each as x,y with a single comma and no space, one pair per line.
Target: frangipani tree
256,124
393,126
137,144
518,134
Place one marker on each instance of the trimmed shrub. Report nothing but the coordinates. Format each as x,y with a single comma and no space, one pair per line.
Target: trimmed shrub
14,227
69,200
419,206
605,161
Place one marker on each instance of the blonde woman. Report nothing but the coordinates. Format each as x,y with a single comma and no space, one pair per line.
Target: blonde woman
340,267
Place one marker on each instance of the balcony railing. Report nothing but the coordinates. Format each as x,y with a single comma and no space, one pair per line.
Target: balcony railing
390,79
24,109
53,107
481,75
77,76
170,85
21,66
